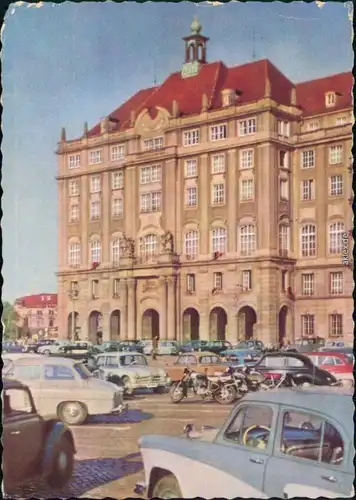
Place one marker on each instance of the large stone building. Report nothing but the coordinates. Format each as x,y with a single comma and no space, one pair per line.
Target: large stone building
214,205
36,315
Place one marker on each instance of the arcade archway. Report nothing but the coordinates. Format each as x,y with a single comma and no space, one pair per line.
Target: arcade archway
115,325
247,318
191,323
150,324
73,325
95,331
217,324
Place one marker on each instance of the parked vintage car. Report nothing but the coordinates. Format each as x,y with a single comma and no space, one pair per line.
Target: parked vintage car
282,444
240,356
255,345
33,448
64,387
217,346
32,346
53,348
339,364
278,363
193,345
12,346
132,369
165,347
307,344
203,362
130,346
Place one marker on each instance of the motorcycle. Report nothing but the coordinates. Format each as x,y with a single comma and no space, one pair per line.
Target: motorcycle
248,380
220,388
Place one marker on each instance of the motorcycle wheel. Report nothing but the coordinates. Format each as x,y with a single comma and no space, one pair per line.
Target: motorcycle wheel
226,395
176,393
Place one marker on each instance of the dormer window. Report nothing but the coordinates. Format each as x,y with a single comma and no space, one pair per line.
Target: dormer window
330,99
228,97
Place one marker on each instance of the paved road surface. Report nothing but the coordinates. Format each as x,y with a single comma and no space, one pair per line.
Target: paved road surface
108,462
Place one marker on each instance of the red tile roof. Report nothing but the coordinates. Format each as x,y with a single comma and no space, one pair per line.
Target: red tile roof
248,78
38,301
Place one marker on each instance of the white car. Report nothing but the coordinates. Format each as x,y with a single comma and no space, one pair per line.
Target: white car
284,443
54,348
64,387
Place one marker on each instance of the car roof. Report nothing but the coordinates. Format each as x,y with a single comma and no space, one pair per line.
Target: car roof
335,400
326,353
12,384
281,354
45,360
14,356
121,353
200,353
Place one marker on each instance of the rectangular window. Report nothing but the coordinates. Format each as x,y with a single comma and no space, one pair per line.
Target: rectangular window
246,280
191,137
284,281
336,185
74,286
191,283
335,155
247,190
218,281
218,132
95,157
117,152
151,144
336,283
117,180
150,174
190,168
312,126
246,158
335,325
150,202
116,288
307,159
342,120
74,161
117,207
95,289
307,190
283,128
283,159
308,325
218,194
191,197
73,188
74,213
95,210
284,189
218,164
308,283
95,184
247,127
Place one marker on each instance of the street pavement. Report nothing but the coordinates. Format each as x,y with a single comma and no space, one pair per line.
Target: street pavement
108,462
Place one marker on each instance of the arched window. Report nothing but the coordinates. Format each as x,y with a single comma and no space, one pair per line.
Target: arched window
74,254
115,251
283,239
247,239
336,231
95,251
191,244
149,246
219,240
308,240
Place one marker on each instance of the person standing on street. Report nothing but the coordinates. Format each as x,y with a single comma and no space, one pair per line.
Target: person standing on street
154,347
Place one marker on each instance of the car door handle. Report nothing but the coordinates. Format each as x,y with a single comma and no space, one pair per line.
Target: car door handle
331,479
14,433
257,461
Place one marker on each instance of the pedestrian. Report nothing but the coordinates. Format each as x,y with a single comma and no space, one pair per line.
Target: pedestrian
154,347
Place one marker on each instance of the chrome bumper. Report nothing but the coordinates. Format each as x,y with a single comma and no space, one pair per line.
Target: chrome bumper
122,408
140,489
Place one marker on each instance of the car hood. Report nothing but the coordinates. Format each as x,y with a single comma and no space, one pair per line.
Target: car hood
102,385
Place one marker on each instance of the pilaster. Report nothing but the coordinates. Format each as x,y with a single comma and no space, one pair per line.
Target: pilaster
131,309
163,309
171,307
232,201
204,192
123,310
105,204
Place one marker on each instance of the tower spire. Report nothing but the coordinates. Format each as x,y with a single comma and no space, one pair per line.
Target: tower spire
195,49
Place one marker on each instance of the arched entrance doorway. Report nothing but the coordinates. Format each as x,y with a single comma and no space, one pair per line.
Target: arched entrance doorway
73,325
247,319
150,324
191,322
218,322
95,330
284,325
115,325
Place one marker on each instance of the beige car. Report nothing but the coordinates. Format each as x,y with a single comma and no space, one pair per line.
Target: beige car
64,387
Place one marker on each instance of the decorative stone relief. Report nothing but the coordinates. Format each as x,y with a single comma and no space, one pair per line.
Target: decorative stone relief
145,126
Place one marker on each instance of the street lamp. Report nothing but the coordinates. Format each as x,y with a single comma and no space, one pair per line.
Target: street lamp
73,295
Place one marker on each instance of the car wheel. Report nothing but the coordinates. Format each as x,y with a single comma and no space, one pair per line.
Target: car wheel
159,390
127,385
46,352
62,464
167,487
72,413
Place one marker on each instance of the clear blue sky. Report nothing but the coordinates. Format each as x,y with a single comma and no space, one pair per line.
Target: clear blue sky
70,63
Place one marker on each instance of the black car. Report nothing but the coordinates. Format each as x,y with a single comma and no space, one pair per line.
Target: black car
216,346
278,363
45,447
130,346
193,345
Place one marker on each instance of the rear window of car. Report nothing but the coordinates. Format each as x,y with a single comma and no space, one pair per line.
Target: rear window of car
58,372
27,372
208,360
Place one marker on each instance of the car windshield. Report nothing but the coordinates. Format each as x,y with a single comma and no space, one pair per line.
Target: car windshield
82,370
133,359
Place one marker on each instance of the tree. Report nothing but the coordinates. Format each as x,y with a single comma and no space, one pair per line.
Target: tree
8,319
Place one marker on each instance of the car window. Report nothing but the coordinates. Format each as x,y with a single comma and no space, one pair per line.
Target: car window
294,362
58,372
309,437
192,360
328,361
182,360
16,401
338,361
27,372
251,426
111,362
133,360
273,361
208,360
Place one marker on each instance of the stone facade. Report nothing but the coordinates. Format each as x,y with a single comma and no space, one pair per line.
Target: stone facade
154,283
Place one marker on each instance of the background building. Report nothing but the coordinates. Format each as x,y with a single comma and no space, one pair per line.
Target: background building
36,315
214,205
